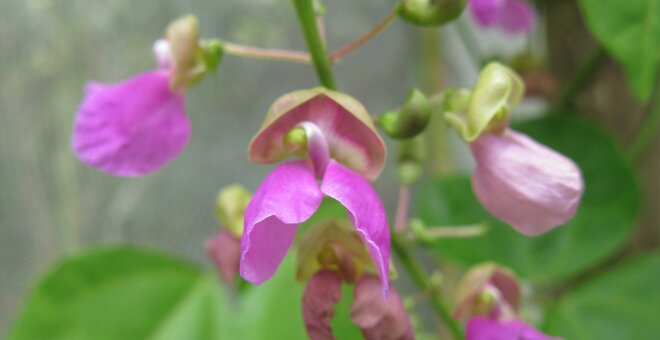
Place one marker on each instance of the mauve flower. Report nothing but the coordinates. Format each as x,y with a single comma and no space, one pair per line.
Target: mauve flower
524,183
138,125
482,328
514,16
289,196
377,316
322,292
346,125
329,129
133,127
489,290
517,180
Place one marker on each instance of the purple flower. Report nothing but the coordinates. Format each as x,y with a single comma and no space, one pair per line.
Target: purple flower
514,16
482,328
488,289
289,196
376,316
133,127
524,183
138,125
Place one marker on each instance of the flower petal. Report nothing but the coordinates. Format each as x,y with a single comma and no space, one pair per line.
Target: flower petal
524,183
131,128
485,11
366,212
345,123
481,328
288,196
322,292
379,317
225,251
517,16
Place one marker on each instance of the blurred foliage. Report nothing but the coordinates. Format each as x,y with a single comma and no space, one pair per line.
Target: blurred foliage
630,30
622,303
603,221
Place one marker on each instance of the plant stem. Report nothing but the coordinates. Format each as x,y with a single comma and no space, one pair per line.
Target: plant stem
265,53
307,17
580,78
402,209
364,38
422,281
469,41
650,124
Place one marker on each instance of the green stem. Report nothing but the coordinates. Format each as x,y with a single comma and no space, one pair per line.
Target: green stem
422,281
649,127
305,10
470,42
580,78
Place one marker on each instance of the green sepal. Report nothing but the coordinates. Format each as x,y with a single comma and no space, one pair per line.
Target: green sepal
488,107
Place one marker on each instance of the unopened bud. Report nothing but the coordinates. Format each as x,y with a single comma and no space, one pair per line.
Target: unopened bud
230,207
411,120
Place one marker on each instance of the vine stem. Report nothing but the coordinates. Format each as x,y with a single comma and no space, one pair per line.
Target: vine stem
307,17
265,53
402,209
650,124
580,78
364,38
422,281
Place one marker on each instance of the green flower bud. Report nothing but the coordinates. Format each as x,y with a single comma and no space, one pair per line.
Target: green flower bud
430,12
411,120
488,107
410,160
230,208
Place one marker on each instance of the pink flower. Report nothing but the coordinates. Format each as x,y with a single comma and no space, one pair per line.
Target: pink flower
482,328
376,316
514,16
325,128
524,183
133,127
138,125
289,196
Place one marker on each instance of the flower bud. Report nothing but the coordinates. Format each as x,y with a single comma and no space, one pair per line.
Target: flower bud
411,120
410,160
497,91
430,12
490,290
225,251
230,207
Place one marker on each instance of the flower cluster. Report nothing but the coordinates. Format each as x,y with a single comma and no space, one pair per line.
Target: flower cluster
489,296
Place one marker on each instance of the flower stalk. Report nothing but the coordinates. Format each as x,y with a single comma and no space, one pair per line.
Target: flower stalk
381,26
265,53
317,49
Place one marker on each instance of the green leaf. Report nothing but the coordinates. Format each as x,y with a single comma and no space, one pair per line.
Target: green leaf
602,223
123,293
623,303
273,310
630,31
